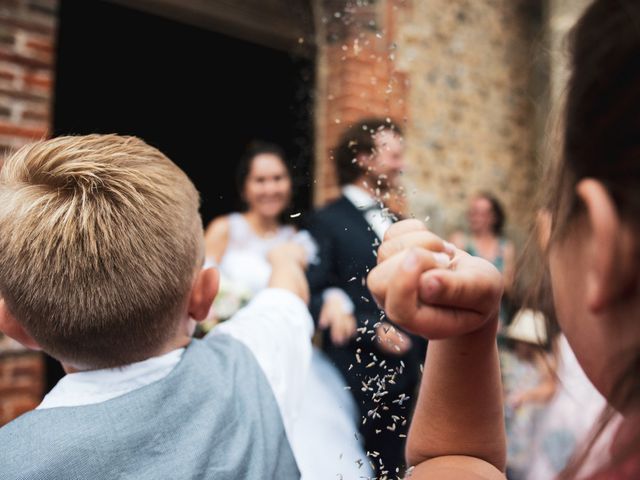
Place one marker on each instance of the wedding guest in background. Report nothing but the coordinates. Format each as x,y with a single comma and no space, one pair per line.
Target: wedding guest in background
323,438
529,383
567,420
379,361
486,219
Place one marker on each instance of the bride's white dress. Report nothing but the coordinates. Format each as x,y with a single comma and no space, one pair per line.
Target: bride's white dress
325,439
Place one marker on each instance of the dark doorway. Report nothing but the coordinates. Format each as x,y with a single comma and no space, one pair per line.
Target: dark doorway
197,95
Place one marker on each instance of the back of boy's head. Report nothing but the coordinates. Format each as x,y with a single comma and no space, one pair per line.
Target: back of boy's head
100,240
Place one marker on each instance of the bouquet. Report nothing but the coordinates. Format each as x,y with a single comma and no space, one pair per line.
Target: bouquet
231,297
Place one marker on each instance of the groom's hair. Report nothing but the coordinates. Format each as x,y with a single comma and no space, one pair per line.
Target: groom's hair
359,139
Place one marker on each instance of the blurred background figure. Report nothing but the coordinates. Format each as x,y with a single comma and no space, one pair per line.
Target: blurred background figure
528,382
323,440
567,421
485,238
379,362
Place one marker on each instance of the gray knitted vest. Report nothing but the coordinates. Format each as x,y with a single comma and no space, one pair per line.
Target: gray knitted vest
213,417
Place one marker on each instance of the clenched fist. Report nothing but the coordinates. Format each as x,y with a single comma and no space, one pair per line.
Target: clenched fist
429,287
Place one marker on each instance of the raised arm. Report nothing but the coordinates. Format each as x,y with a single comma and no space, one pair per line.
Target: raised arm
216,238
457,430
277,328
509,266
288,262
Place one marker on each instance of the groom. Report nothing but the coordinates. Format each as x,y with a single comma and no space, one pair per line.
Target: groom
379,362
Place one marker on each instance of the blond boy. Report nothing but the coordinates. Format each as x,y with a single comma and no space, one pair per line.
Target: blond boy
101,258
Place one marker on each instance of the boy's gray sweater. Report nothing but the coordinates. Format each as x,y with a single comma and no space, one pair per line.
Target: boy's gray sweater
213,417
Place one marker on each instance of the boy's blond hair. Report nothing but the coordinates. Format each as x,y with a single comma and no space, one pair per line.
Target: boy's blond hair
100,239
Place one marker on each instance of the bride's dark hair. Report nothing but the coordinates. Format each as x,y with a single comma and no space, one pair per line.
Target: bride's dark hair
255,148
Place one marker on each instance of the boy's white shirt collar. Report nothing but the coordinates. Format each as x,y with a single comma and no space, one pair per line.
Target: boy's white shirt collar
95,386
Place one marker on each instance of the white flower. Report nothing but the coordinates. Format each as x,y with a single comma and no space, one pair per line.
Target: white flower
231,297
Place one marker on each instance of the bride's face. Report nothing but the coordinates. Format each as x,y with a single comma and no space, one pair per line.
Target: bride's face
267,190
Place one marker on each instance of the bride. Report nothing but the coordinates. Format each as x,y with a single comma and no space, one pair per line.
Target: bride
324,439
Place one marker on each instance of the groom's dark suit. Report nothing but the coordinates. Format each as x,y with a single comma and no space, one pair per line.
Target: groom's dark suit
378,381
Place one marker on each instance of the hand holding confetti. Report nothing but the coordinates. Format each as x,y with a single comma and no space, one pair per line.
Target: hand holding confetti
428,287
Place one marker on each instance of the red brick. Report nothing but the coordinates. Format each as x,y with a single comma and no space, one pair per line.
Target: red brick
21,384
14,406
22,404
40,43
7,128
36,51
21,58
39,115
7,75
39,80
14,16
26,387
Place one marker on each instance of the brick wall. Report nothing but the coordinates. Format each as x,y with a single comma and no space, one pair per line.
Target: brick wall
472,104
356,76
27,36
462,77
21,383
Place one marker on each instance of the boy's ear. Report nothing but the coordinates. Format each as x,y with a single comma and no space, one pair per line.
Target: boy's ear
10,327
612,267
203,291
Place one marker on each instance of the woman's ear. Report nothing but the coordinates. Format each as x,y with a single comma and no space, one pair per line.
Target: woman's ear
203,291
611,268
12,328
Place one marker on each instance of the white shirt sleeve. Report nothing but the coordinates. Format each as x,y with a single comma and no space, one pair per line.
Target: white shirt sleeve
277,327
347,304
306,241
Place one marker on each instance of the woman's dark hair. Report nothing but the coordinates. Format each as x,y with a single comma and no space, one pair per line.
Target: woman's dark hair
602,114
255,148
601,140
498,212
357,139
